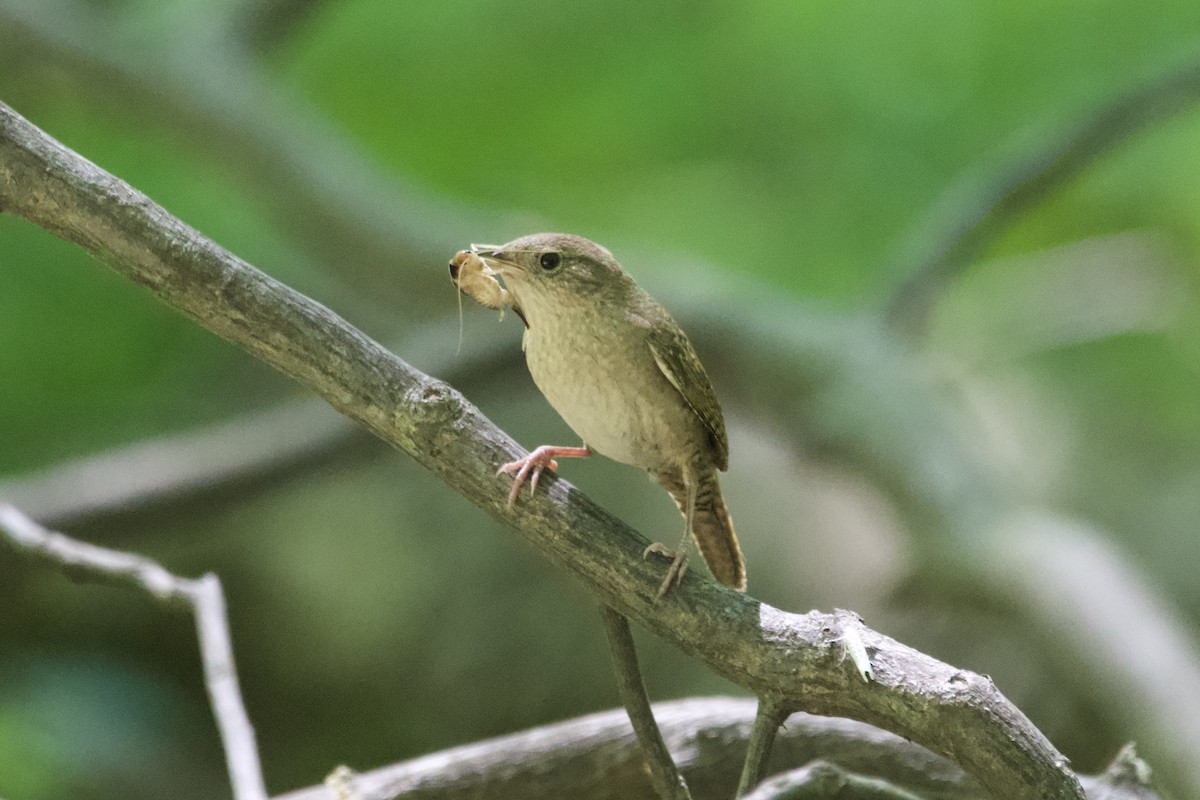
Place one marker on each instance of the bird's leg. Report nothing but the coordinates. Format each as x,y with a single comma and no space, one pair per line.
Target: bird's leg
531,466
678,556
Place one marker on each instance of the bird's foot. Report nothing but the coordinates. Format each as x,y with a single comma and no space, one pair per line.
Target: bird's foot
675,571
532,465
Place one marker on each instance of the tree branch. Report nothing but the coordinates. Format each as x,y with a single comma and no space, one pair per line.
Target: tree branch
203,596
706,737
668,783
770,715
821,779
765,650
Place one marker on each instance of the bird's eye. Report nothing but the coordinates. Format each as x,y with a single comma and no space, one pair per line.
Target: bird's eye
550,261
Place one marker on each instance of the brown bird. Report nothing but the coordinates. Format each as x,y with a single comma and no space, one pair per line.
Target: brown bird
624,376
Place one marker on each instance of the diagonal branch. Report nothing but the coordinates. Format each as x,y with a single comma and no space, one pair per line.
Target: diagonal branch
973,212
668,783
769,717
203,596
331,199
766,650
235,453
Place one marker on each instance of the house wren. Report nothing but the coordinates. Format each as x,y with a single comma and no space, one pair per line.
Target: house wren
625,378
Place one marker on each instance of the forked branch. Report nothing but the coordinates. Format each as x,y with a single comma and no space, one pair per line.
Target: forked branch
202,596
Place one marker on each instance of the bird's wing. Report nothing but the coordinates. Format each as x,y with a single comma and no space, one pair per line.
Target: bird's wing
678,362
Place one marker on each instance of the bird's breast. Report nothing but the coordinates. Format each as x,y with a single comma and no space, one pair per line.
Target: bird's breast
600,376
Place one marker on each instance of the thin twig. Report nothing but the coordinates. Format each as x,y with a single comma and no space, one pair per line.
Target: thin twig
770,715
632,690
203,596
973,212
1126,778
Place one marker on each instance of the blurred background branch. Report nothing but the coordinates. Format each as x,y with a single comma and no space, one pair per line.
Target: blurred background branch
341,210
979,207
202,596
237,454
266,24
821,779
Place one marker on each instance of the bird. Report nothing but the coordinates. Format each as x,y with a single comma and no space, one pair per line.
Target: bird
624,376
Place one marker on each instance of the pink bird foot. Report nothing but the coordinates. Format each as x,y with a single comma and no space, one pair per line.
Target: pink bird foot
531,466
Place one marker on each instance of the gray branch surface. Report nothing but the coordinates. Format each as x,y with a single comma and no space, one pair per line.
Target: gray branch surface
664,774
821,780
767,722
795,658
597,757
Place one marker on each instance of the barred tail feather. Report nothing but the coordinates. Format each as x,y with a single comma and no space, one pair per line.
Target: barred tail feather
712,527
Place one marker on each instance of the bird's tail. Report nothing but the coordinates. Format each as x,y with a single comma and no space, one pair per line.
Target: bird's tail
712,527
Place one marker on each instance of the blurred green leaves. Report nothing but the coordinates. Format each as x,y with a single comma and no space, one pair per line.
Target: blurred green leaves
700,128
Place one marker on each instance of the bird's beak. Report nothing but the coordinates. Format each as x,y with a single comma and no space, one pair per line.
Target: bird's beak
495,257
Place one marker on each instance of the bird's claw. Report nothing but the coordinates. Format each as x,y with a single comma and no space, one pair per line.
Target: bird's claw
674,572
531,467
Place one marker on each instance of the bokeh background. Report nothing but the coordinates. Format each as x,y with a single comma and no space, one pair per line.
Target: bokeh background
775,171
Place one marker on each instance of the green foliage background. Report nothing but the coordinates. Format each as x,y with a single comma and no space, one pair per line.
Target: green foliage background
791,144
